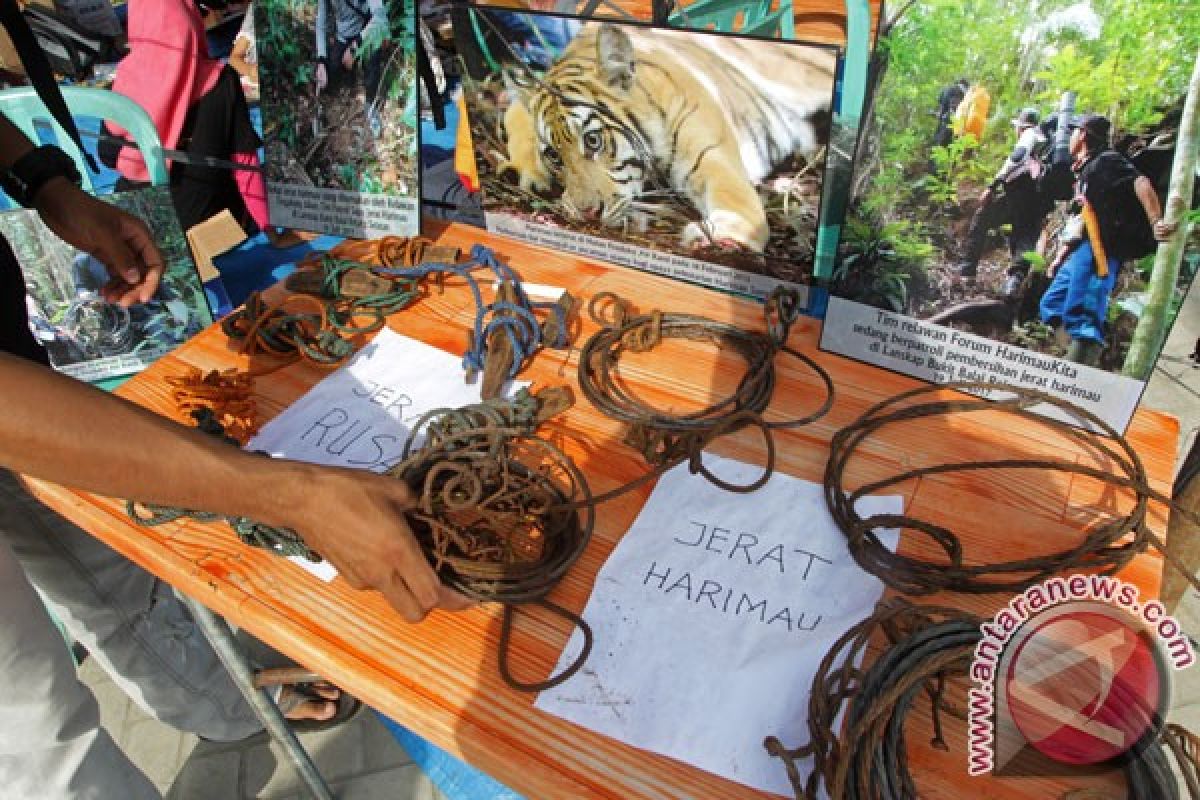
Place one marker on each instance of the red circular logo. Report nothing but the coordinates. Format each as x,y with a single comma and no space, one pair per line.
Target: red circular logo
1085,687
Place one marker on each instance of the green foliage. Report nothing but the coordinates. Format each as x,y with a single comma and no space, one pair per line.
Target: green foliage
949,163
1033,334
878,263
287,63
1136,68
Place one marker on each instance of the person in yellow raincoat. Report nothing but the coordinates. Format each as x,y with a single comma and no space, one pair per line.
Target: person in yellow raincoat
971,114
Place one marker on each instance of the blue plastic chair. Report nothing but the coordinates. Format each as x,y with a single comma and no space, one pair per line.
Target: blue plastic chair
27,112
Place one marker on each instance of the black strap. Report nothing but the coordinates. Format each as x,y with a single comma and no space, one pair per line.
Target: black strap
425,73
39,72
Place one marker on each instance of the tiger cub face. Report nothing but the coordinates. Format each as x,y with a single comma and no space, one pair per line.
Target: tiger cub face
627,122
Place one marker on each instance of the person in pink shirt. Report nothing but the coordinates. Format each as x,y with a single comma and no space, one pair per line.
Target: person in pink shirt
198,106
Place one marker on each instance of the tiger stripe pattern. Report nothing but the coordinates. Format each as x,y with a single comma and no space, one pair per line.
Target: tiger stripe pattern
630,119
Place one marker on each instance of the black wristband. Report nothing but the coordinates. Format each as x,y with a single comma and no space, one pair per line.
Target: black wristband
24,179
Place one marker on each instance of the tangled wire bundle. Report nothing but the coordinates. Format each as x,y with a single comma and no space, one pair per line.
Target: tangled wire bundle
668,439
226,396
1105,548
501,514
379,277
337,300
928,646
511,316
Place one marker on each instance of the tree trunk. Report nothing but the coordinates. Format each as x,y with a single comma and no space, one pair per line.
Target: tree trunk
1152,327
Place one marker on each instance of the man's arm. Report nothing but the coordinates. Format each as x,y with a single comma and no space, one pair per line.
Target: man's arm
59,429
237,60
13,143
62,430
321,74
1146,195
121,241
322,29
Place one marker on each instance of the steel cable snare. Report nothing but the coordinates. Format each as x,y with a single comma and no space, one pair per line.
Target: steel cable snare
669,439
928,647
501,513
1105,548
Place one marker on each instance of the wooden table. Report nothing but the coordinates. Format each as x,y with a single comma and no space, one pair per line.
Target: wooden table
440,679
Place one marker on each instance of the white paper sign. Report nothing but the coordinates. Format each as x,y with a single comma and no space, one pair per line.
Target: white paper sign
711,617
359,416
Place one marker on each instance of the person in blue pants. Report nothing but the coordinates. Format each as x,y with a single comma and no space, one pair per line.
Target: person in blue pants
1125,221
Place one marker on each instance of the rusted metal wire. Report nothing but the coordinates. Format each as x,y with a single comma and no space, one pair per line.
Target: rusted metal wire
226,395
501,514
667,439
1105,547
928,649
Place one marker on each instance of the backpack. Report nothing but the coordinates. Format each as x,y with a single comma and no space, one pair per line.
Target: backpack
1128,234
71,50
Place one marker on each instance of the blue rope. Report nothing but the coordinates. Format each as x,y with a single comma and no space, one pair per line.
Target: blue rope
518,320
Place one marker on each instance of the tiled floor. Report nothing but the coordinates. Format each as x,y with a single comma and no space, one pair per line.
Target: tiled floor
362,761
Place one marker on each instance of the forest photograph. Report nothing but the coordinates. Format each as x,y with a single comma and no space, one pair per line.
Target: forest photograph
705,146
339,101
1013,171
86,336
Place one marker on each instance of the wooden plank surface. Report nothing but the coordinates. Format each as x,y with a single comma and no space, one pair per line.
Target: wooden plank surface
439,677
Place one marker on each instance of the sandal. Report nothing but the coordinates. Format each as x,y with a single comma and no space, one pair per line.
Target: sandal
297,686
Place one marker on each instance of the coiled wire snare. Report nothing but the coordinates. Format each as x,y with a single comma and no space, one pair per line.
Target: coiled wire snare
502,515
928,649
1106,547
666,439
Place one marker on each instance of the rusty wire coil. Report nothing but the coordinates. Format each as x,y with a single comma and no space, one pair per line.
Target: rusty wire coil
1105,548
666,439
927,647
501,514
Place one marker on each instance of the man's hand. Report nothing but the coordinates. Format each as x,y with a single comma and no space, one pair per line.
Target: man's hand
348,57
322,77
121,241
356,521
1163,230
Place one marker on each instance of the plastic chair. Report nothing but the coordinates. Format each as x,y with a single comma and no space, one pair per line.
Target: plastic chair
738,16
27,112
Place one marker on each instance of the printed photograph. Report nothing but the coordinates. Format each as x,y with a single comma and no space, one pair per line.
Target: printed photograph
627,10
1013,174
339,102
708,147
86,336
769,19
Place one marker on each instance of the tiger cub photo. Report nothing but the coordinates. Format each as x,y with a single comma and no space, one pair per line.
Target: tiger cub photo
631,131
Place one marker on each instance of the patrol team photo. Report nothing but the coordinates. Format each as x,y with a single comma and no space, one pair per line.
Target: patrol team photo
1012,175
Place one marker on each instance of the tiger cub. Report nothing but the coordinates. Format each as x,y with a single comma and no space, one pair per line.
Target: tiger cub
625,114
